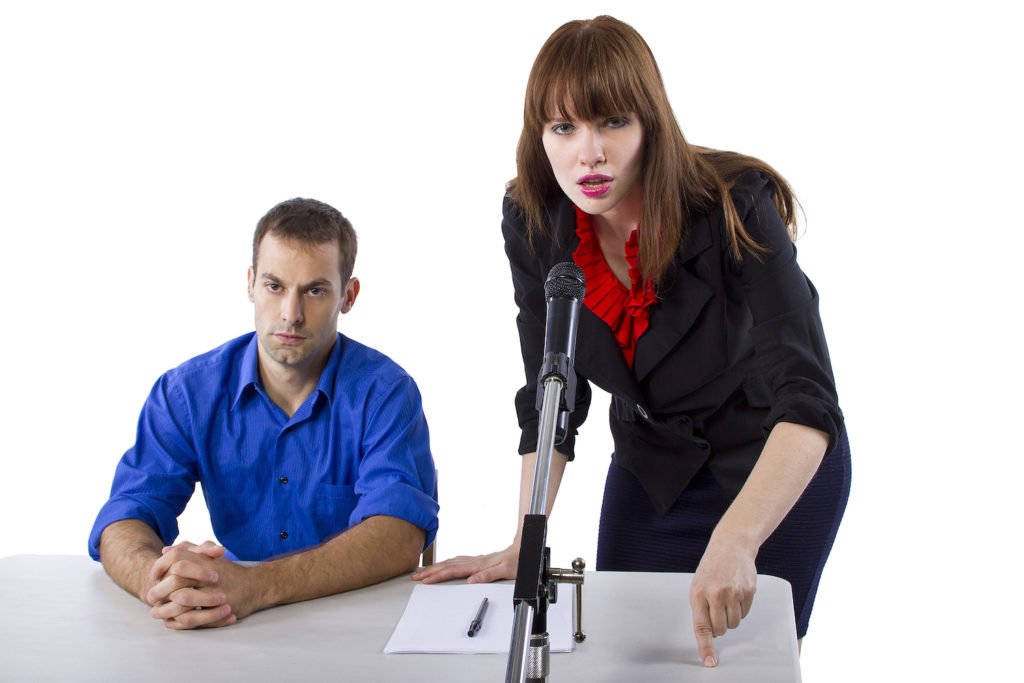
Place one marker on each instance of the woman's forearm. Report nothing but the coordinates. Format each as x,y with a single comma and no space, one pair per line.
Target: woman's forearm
529,466
789,460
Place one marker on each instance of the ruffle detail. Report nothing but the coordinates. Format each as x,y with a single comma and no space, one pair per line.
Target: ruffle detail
625,311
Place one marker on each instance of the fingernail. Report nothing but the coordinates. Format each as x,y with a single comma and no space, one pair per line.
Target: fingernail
710,661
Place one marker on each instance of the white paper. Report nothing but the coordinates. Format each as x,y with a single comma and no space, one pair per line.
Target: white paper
437,618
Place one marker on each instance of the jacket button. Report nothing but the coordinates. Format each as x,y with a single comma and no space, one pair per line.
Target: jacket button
642,412
283,480
284,535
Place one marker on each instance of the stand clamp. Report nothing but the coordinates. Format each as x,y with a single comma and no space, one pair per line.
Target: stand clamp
574,577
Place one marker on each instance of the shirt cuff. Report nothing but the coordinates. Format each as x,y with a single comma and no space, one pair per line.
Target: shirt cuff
403,501
116,509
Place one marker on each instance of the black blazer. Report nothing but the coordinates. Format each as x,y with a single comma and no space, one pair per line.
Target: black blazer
731,349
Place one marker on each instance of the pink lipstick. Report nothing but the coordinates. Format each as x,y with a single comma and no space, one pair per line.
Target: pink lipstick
595,184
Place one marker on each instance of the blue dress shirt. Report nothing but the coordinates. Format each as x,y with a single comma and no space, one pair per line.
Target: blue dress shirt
357,447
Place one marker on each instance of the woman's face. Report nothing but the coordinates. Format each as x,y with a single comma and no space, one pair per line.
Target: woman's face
598,163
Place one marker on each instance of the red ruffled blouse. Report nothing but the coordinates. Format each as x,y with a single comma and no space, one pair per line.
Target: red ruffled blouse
626,311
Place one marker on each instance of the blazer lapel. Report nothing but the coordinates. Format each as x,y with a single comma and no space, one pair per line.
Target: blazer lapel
599,359
685,296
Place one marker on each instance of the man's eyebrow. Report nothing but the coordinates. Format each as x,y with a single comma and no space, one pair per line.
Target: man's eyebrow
323,283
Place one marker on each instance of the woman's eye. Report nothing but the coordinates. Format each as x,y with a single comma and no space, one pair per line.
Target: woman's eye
561,128
616,121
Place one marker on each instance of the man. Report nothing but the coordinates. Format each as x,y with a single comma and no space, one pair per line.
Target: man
312,449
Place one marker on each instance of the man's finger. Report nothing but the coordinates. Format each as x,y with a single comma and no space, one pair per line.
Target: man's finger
200,618
168,610
162,591
170,555
187,569
193,597
183,545
210,549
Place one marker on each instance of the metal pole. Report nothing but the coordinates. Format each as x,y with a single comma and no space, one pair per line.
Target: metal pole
522,626
545,445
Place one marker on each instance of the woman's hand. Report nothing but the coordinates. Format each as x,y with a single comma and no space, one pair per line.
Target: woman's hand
721,593
478,569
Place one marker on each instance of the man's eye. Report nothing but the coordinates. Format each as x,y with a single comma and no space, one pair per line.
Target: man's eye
273,286
316,291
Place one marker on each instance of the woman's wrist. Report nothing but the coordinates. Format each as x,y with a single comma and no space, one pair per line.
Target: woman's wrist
738,537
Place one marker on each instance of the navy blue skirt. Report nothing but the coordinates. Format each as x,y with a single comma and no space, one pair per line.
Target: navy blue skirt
633,537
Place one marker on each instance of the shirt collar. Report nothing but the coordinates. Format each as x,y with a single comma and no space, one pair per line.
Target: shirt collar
248,371
330,372
249,374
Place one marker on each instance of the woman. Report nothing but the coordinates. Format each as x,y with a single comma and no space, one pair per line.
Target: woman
730,456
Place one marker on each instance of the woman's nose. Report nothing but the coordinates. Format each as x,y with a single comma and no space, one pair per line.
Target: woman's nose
591,147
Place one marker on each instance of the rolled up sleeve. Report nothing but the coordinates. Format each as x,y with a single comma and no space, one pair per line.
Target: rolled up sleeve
155,479
792,364
396,470
528,275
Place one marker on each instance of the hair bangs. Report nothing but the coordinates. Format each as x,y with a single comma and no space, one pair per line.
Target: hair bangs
586,76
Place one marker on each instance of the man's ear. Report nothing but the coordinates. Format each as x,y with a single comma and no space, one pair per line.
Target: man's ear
348,298
251,279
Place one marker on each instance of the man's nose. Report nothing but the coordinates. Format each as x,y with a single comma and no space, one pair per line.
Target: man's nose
291,309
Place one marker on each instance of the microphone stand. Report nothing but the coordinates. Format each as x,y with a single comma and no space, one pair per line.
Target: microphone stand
536,582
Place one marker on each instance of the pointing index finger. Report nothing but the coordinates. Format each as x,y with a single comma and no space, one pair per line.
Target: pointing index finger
703,631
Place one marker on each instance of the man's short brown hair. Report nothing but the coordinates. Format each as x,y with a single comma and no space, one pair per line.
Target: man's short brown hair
311,222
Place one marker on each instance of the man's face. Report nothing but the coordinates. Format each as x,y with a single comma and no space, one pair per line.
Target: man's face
298,293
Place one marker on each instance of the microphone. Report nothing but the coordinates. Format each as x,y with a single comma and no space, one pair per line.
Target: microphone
564,290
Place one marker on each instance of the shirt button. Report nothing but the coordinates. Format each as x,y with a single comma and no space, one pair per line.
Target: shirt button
642,412
284,535
283,480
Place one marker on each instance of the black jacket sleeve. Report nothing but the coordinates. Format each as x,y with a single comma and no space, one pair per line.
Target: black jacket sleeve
791,357
529,270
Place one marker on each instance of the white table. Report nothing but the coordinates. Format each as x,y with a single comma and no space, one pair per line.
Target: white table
63,619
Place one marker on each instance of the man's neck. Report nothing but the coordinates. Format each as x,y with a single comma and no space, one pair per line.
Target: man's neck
288,387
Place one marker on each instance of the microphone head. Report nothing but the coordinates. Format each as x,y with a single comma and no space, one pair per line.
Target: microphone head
565,281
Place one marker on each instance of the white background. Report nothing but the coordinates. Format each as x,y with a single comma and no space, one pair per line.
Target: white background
140,143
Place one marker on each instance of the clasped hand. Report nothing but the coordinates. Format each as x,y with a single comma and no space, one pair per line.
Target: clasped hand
197,587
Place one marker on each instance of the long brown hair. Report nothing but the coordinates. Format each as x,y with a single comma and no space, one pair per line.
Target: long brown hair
595,68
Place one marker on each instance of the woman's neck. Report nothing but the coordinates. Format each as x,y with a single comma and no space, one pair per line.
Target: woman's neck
618,223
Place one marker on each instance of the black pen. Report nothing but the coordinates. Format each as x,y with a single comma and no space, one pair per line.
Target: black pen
474,626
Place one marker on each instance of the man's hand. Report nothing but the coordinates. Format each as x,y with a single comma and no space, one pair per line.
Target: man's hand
197,587
721,593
